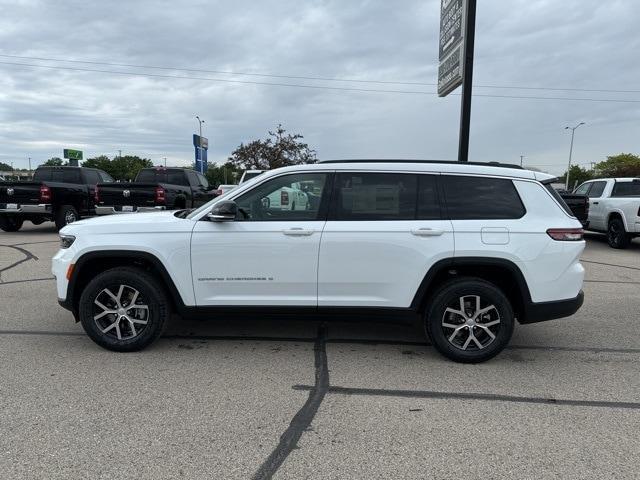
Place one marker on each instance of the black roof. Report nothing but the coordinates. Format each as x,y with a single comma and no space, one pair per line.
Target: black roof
446,162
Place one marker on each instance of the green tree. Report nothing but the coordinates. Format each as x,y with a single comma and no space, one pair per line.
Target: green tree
577,175
279,149
4,167
621,165
223,174
120,168
55,162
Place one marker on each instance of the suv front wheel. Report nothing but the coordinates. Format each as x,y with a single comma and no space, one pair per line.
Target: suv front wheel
123,309
469,320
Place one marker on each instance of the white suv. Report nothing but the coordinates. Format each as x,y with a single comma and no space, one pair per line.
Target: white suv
466,249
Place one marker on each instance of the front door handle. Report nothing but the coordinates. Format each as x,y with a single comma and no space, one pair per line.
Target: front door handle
426,232
298,232
596,203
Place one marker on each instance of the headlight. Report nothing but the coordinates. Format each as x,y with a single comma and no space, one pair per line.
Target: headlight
66,241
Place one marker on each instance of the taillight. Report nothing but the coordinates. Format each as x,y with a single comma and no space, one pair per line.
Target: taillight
284,198
96,195
566,234
160,195
45,194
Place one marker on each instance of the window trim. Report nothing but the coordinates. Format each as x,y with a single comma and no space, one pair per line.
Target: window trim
323,209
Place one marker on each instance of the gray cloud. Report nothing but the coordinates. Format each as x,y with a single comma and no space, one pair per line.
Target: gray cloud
572,44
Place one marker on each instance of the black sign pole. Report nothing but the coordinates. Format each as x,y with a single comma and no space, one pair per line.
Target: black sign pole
467,83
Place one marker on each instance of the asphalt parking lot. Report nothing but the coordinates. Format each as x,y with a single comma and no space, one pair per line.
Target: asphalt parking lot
294,399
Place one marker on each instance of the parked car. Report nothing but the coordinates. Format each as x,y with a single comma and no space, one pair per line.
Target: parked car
287,198
614,208
154,189
249,174
466,250
58,194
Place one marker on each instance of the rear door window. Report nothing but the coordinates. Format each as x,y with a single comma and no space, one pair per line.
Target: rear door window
626,189
92,177
66,175
481,198
375,196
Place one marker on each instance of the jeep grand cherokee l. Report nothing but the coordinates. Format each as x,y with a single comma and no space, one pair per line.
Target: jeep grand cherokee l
466,249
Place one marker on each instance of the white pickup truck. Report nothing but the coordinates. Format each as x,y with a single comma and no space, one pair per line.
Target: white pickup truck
614,208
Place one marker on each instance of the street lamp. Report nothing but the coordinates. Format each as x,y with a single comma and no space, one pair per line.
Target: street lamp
573,132
200,122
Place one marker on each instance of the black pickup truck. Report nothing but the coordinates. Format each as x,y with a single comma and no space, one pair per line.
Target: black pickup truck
154,189
59,194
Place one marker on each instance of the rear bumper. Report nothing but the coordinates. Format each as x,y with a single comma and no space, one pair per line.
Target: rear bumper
42,208
110,210
543,311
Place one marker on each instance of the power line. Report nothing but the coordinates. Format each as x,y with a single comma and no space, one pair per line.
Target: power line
319,78
316,87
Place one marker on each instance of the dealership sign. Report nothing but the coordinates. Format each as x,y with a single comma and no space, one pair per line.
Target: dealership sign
451,52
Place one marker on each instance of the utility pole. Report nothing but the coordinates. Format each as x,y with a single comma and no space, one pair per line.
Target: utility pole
573,132
467,82
521,158
165,162
119,153
29,165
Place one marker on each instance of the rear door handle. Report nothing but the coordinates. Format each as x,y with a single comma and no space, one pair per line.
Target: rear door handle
426,232
298,232
596,203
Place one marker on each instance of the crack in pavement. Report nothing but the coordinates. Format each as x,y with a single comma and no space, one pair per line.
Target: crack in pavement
473,396
25,281
28,256
302,420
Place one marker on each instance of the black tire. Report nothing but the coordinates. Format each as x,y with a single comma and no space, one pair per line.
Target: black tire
617,237
65,215
10,223
127,333
460,347
38,220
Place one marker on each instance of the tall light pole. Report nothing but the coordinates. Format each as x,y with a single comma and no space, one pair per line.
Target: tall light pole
573,132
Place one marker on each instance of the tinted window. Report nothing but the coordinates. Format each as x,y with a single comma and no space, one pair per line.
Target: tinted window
626,189
66,175
479,198
596,189
375,196
428,205
91,177
161,175
203,180
583,189
287,198
105,177
42,175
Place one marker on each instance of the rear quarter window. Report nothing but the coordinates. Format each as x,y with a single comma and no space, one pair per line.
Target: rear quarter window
481,198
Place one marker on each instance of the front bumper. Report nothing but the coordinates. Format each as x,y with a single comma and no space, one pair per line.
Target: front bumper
543,311
42,208
112,210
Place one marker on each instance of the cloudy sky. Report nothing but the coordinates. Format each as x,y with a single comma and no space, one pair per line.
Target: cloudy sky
590,48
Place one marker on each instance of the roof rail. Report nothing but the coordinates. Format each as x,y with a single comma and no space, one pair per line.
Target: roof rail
446,162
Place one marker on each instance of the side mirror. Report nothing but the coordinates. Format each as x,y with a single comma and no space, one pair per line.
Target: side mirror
223,212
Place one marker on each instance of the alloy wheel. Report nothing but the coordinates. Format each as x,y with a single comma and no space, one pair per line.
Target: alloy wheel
123,315
470,323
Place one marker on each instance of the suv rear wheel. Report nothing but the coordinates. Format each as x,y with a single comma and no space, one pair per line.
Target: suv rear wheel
123,309
469,320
